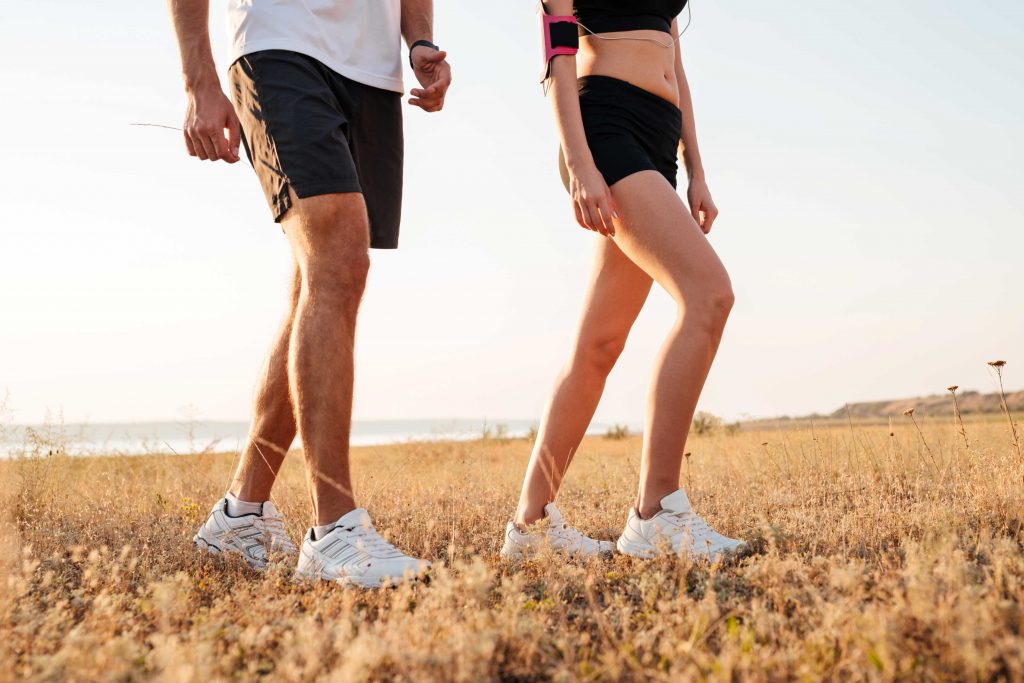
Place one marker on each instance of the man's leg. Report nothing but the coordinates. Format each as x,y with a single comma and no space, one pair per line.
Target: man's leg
273,418
330,239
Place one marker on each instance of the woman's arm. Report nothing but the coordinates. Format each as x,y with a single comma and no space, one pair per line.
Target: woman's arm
592,200
699,196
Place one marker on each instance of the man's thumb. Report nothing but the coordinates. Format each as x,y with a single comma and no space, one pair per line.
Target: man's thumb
234,133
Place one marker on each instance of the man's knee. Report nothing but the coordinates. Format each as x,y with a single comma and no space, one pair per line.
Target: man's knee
330,235
337,278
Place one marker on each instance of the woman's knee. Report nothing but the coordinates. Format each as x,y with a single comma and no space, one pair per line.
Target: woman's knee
722,297
710,304
597,354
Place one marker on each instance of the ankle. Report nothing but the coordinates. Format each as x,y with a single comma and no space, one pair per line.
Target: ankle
237,506
329,505
524,517
645,512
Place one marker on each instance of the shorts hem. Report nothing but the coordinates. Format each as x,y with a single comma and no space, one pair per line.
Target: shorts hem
283,200
322,186
669,177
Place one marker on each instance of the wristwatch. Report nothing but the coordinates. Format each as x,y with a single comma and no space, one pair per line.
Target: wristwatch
415,45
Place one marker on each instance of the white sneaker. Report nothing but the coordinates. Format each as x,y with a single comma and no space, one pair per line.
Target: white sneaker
551,532
676,529
252,536
353,553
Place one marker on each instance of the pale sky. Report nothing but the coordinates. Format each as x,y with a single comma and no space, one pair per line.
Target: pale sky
866,158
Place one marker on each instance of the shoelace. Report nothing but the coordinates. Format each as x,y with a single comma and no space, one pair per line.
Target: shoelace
693,523
371,542
573,535
274,525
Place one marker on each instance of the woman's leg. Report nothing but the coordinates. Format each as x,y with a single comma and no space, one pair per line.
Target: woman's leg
660,236
618,289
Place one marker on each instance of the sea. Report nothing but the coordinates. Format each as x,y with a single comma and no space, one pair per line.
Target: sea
164,438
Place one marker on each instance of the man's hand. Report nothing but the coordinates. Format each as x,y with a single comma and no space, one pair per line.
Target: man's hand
434,74
702,206
211,126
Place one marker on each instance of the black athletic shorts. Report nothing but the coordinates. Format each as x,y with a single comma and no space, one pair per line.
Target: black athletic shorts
629,129
309,128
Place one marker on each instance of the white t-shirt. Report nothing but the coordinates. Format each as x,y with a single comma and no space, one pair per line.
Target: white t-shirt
359,39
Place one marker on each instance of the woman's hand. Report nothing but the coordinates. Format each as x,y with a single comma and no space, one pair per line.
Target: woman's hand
702,206
592,200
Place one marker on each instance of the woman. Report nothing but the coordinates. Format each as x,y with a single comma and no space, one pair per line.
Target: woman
623,110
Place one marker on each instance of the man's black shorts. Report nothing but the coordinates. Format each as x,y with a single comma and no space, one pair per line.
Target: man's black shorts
309,128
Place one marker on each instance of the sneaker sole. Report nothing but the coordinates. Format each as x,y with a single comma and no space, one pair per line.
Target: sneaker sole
516,553
627,547
202,544
523,555
301,576
647,552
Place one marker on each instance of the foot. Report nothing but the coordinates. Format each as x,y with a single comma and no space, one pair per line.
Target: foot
551,532
254,536
353,553
676,530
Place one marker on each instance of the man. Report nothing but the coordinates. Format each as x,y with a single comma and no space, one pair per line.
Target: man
318,102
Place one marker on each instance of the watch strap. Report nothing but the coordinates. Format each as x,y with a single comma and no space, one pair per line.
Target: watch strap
418,43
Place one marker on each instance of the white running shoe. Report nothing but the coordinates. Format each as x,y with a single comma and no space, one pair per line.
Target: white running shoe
252,536
353,553
676,529
551,532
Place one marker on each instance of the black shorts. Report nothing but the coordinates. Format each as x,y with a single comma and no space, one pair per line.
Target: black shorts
308,128
629,129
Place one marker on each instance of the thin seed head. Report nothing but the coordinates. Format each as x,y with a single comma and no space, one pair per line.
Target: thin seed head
952,388
997,363
909,412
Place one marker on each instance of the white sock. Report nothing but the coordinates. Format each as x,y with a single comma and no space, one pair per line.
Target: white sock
237,508
321,531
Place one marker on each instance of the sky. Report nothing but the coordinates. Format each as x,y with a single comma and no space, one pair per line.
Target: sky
866,158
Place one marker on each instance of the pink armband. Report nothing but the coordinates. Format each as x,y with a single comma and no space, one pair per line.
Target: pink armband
560,37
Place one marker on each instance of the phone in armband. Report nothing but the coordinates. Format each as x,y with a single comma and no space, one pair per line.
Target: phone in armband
559,36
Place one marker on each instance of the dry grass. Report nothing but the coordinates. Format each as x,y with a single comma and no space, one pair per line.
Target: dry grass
876,560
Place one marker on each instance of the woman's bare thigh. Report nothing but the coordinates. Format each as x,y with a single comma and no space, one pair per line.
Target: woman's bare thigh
657,233
617,292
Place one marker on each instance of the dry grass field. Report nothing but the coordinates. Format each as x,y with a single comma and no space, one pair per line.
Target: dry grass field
881,554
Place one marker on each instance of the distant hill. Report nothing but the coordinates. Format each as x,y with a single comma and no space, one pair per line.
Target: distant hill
971,403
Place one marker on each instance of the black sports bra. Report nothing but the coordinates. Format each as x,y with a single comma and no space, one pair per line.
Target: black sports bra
607,16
